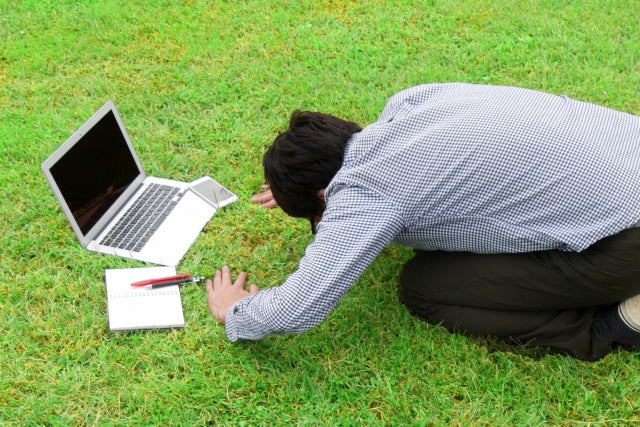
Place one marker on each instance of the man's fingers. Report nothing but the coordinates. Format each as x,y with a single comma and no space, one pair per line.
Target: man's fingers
265,198
226,275
270,204
217,279
242,277
223,278
260,197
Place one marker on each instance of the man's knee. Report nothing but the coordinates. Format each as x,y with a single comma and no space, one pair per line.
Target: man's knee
413,289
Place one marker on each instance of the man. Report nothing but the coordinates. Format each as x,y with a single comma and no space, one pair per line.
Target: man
521,206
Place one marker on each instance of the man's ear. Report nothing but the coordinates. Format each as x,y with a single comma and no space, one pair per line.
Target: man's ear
320,194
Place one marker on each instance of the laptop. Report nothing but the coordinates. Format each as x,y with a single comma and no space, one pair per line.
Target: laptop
114,207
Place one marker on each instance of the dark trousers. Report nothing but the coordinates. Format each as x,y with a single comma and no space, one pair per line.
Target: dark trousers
547,298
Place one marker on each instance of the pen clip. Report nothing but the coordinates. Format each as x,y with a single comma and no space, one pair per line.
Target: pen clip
177,282
161,279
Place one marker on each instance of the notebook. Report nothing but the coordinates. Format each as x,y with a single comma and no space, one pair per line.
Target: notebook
132,308
99,181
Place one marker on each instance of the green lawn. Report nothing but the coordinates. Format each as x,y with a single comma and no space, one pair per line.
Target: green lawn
203,87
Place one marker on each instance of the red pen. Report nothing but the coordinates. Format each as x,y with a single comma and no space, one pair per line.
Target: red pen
161,280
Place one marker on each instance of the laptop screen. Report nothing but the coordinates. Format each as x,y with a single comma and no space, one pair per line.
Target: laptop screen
95,171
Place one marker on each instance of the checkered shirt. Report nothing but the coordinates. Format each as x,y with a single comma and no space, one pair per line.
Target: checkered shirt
459,167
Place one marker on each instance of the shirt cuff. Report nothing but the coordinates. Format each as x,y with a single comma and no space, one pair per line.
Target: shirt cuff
231,322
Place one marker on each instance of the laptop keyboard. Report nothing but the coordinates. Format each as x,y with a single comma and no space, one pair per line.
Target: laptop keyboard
142,219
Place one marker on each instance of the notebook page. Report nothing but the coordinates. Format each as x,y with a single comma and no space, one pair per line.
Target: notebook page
132,308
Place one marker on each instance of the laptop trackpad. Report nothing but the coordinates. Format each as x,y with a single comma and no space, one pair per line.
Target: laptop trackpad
187,219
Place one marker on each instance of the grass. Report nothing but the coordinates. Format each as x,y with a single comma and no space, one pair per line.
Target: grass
203,87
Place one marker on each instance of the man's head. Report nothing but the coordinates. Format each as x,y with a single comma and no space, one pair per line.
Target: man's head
303,160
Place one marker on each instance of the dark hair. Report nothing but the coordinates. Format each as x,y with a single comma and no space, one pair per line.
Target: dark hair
303,160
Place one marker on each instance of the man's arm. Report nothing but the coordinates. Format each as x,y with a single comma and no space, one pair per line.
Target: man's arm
222,292
355,228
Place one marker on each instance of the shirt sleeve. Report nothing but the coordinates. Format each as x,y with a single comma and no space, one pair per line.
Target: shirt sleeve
355,228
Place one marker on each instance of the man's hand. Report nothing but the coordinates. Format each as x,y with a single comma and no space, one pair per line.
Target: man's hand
266,198
222,293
